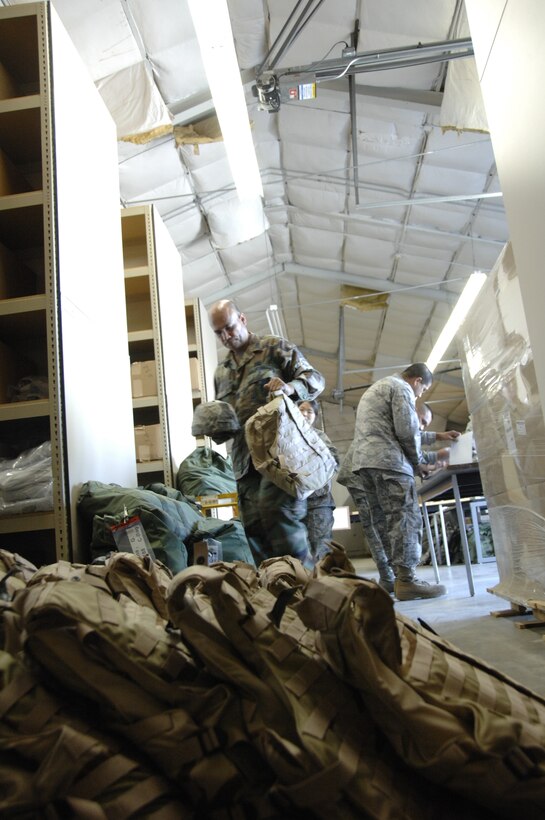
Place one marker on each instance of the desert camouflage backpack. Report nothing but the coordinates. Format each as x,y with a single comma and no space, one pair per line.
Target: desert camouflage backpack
286,449
15,573
328,758
54,764
451,717
146,687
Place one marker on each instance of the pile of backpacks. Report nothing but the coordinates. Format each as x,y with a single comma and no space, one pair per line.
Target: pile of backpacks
230,691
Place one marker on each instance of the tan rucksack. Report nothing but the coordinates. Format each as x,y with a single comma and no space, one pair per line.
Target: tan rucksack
55,764
449,716
329,759
15,573
286,449
146,688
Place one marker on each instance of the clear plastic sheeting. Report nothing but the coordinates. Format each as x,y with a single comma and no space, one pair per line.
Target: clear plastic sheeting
521,566
509,430
26,483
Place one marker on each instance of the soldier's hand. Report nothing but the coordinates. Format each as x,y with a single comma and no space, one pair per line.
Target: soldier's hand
448,435
275,385
423,470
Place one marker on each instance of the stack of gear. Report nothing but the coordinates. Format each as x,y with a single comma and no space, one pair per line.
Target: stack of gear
26,482
205,472
230,692
171,521
29,388
216,419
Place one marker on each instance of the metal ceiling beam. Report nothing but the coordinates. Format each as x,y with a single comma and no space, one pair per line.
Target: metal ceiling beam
388,223
383,60
311,353
294,269
382,285
430,200
410,98
200,105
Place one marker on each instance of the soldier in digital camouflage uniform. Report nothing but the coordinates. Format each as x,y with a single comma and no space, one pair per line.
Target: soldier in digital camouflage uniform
379,471
254,368
320,505
377,536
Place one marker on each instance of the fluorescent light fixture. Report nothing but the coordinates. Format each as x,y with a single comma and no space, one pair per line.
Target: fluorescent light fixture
215,38
459,313
274,321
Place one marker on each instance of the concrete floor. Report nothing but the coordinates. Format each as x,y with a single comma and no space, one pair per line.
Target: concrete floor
466,621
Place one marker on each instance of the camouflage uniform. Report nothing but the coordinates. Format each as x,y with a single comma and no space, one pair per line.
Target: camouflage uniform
378,470
273,520
320,506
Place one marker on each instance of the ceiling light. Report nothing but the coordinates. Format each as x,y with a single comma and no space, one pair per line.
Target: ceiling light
459,312
274,321
215,38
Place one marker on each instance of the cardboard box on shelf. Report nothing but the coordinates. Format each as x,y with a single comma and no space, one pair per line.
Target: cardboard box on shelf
194,374
148,440
144,379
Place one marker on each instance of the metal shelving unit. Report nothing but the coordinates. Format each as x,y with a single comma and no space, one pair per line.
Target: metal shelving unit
61,277
156,321
204,358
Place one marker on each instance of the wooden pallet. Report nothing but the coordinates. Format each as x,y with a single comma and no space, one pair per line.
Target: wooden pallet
536,609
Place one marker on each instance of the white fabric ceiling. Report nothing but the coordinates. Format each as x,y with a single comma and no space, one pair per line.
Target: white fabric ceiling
421,135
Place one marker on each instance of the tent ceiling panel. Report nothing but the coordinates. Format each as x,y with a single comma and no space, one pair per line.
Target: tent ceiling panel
320,224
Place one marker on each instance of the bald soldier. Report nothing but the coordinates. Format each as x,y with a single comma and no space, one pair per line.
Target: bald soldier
255,367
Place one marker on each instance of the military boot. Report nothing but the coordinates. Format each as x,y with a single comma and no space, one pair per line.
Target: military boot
409,589
386,579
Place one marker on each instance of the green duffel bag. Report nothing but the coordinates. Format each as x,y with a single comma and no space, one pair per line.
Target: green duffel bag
230,534
205,472
167,521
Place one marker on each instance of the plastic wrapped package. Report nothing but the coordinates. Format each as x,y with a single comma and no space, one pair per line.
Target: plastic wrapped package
26,482
509,430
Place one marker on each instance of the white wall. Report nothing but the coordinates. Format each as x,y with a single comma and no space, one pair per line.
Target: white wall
508,41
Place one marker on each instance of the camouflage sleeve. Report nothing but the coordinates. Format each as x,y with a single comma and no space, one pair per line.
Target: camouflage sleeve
429,457
345,476
307,382
428,437
406,426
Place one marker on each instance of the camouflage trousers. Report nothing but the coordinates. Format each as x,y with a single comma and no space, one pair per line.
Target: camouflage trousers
387,503
319,523
272,519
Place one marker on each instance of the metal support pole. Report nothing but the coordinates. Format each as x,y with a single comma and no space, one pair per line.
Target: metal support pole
463,533
430,541
354,120
444,533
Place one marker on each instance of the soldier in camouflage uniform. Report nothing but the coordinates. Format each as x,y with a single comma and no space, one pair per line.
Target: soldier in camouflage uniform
377,536
254,368
379,470
320,505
